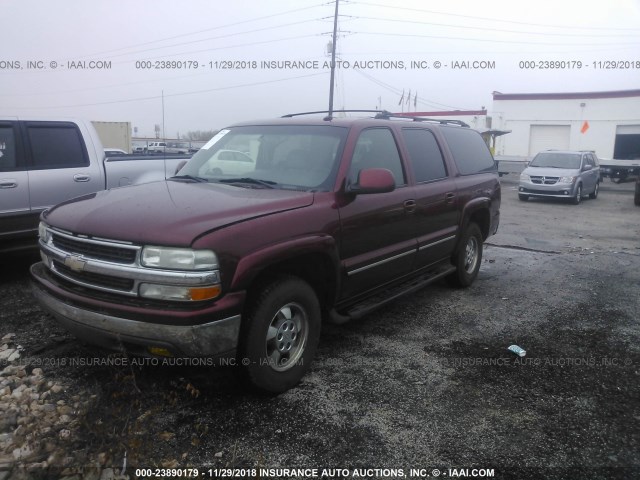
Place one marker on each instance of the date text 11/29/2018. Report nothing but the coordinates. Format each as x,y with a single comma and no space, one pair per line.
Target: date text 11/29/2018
578,65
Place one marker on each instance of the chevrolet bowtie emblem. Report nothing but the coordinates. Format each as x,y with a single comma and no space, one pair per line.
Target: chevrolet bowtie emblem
75,263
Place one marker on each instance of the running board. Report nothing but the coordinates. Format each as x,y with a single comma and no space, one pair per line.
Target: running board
374,302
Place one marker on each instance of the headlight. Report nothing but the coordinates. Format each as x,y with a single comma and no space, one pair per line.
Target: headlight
566,179
524,177
178,258
43,233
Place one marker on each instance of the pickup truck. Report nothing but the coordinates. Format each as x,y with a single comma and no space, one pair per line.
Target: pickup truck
44,162
337,217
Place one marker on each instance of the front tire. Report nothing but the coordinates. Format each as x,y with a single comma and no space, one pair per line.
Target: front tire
467,258
522,197
280,334
578,197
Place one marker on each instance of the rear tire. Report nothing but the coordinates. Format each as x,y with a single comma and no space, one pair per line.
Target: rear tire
280,334
594,194
467,258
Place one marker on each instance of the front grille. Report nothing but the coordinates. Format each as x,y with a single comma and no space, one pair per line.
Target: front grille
97,279
540,180
98,251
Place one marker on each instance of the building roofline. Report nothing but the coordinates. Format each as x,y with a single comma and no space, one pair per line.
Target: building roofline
566,95
445,113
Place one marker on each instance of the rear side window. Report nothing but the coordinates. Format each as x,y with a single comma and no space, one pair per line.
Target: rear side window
469,151
56,146
424,154
8,150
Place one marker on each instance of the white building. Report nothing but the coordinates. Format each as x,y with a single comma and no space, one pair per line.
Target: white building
605,122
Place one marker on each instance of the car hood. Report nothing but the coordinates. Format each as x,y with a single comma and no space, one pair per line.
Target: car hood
550,172
169,212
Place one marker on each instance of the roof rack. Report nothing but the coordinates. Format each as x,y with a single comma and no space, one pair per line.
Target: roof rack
385,114
329,117
381,115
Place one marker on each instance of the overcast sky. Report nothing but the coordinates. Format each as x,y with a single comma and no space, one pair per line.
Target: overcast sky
46,48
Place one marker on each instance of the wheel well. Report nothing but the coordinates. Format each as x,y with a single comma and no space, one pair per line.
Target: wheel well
482,219
316,269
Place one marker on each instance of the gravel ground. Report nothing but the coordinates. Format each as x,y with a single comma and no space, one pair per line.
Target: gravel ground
425,383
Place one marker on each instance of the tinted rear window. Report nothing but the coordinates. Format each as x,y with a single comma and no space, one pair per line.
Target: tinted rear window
469,151
424,153
56,146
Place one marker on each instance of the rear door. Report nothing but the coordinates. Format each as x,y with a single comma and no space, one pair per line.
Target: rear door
378,230
59,164
437,213
15,211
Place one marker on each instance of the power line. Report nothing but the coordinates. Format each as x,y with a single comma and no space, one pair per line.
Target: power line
213,38
155,97
396,7
590,35
205,30
439,37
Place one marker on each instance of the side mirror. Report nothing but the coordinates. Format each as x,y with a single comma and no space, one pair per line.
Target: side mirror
179,167
586,168
374,180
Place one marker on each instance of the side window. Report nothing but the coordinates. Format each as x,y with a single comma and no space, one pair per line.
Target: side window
8,150
469,150
376,148
56,146
424,154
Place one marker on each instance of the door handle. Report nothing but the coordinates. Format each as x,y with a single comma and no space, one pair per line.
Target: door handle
81,177
8,183
410,206
449,197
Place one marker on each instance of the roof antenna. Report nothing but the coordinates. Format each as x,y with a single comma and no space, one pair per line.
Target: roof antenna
333,62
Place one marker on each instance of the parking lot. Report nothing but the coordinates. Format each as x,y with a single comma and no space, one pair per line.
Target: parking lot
422,388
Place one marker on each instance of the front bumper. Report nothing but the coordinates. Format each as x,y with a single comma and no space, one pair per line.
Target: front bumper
558,190
216,338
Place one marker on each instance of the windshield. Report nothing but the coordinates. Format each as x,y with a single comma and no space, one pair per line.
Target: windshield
282,156
556,160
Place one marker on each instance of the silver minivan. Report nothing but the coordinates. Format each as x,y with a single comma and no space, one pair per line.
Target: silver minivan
561,174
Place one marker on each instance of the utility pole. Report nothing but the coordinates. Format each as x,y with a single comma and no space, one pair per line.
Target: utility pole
333,61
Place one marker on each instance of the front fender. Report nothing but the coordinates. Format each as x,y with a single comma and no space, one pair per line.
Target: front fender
253,264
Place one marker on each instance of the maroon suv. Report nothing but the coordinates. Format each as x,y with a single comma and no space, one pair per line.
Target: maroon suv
242,256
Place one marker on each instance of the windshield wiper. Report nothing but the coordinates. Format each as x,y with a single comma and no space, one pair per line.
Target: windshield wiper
189,177
255,181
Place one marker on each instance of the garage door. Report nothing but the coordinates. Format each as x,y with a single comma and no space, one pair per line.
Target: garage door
545,137
627,145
